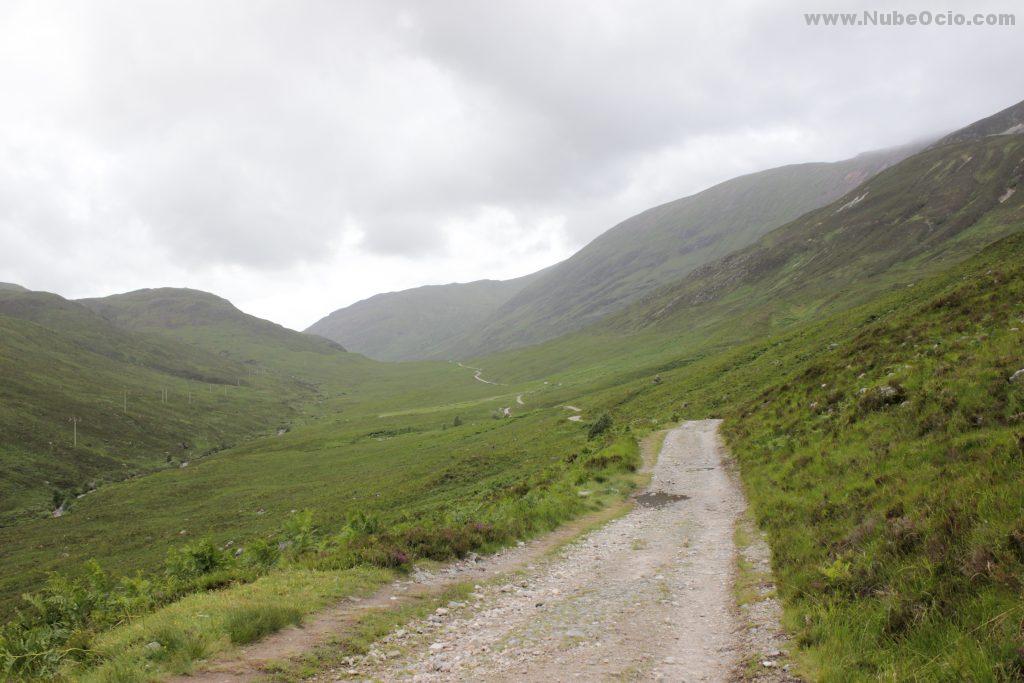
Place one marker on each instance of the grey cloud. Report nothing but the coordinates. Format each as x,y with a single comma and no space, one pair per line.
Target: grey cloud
262,136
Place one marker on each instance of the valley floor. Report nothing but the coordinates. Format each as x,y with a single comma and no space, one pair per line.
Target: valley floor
651,595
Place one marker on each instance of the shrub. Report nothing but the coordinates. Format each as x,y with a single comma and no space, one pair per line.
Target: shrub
262,553
194,560
600,426
299,532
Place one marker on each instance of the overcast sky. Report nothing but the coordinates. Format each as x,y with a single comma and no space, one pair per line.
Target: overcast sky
296,156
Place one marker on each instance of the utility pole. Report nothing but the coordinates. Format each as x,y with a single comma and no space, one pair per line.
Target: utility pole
74,427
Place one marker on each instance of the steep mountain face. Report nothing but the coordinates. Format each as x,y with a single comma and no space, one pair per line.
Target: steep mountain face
425,322
632,259
665,243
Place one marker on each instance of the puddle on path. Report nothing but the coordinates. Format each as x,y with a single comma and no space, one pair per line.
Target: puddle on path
659,499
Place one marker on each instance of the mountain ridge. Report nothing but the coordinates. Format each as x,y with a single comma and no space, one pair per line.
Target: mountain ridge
174,310
377,326
1003,122
634,257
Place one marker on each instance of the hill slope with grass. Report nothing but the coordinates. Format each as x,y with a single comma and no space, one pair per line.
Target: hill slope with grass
889,475
425,322
632,259
137,402
881,448
665,243
184,313
919,217
939,206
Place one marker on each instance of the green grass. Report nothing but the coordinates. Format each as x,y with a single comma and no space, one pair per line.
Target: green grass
150,397
205,624
385,491
246,625
895,528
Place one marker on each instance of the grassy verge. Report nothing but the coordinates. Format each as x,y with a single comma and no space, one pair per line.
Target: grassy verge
200,626
888,473
882,451
457,510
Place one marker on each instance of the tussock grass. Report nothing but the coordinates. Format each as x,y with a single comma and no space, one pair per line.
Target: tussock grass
245,625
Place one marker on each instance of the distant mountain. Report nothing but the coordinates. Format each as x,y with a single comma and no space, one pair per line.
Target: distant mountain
11,287
92,332
664,243
1009,121
924,214
632,259
425,322
204,319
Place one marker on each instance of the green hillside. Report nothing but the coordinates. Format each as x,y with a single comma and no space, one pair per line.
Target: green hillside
880,447
141,402
921,216
889,475
875,585
331,377
632,259
426,322
204,319
665,243
865,358
153,379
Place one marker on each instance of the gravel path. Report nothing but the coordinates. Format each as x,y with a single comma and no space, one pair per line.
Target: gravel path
477,372
646,597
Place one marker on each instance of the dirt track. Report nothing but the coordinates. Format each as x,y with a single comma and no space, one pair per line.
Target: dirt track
648,596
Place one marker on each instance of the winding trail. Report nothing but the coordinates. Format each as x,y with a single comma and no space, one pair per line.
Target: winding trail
646,597
476,374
